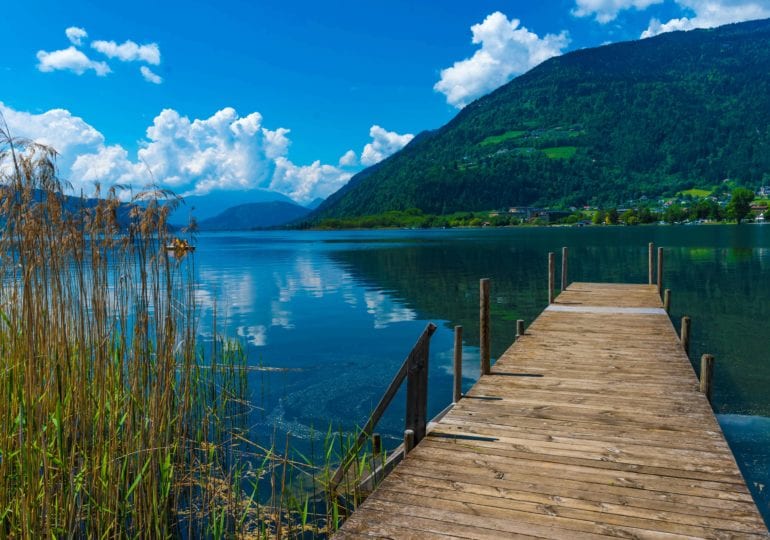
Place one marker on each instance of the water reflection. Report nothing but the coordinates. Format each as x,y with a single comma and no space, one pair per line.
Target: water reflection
343,309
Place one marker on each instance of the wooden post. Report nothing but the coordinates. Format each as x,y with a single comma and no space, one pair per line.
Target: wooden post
706,374
376,444
458,365
564,261
684,336
660,270
667,300
651,262
417,392
519,328
484,325
408,441
551,275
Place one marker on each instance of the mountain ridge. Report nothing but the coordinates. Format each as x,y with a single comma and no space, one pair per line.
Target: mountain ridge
259,215
593,126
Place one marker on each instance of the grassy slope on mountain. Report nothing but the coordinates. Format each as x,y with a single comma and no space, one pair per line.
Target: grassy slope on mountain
596,126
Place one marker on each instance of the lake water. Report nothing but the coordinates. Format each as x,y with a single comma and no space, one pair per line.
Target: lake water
335,313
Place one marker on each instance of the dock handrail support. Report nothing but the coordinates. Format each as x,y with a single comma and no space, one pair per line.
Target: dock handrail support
415,371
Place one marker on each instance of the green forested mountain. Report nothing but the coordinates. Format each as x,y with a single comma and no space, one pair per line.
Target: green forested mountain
599,126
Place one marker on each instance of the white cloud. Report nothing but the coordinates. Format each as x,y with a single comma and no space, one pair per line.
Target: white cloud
709,14
349,159
76,35
129,51
507,49
225,151
70,59
303,183
384,143
607,10
149,76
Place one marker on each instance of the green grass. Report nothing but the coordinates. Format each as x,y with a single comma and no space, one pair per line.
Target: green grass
507,136
560,152
695,192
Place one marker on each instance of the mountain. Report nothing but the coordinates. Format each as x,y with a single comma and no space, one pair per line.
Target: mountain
315,203
595,126
206,206
254,216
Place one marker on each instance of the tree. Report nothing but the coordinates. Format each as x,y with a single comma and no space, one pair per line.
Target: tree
740,203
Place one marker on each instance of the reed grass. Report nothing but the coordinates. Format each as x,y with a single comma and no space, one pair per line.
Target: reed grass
114,422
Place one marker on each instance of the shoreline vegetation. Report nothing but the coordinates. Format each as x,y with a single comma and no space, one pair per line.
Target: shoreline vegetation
739,206
115,420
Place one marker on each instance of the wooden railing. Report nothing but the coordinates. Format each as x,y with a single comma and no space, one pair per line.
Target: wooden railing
415,371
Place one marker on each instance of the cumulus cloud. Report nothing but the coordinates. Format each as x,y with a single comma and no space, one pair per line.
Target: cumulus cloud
225,151
304,183
76,35
69,59
348,159
506,49
709,14
149,76
129,51
74,60
57,128
384,143
607,10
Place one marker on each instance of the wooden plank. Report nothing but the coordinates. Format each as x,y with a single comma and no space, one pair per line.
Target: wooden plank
590,425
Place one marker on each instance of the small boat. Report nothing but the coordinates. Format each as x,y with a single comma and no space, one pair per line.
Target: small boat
180,246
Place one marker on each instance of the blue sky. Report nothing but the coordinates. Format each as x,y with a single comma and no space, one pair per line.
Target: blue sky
294,96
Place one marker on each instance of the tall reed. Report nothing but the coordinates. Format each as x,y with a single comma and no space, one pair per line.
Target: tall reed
113,421
108,425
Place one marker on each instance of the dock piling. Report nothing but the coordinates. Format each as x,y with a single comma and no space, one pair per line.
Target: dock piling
408,441
458,365
519,328
706,374
484,325
376,444
667,300
660,270
684,335
551,275
650,261
564,262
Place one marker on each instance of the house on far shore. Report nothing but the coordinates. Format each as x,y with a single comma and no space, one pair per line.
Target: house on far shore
759,207
529,213
764,191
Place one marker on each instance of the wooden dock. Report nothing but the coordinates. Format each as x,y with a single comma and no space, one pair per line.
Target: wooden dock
590,425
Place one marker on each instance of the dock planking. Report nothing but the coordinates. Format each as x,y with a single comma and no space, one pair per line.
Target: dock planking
591,425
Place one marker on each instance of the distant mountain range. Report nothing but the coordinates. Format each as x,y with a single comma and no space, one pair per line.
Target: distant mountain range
203,207
239,210
595,126
258,215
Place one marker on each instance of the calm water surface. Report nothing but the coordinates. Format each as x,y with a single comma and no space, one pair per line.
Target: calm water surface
335,313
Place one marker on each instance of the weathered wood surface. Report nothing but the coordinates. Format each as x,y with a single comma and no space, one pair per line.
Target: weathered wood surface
591,425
